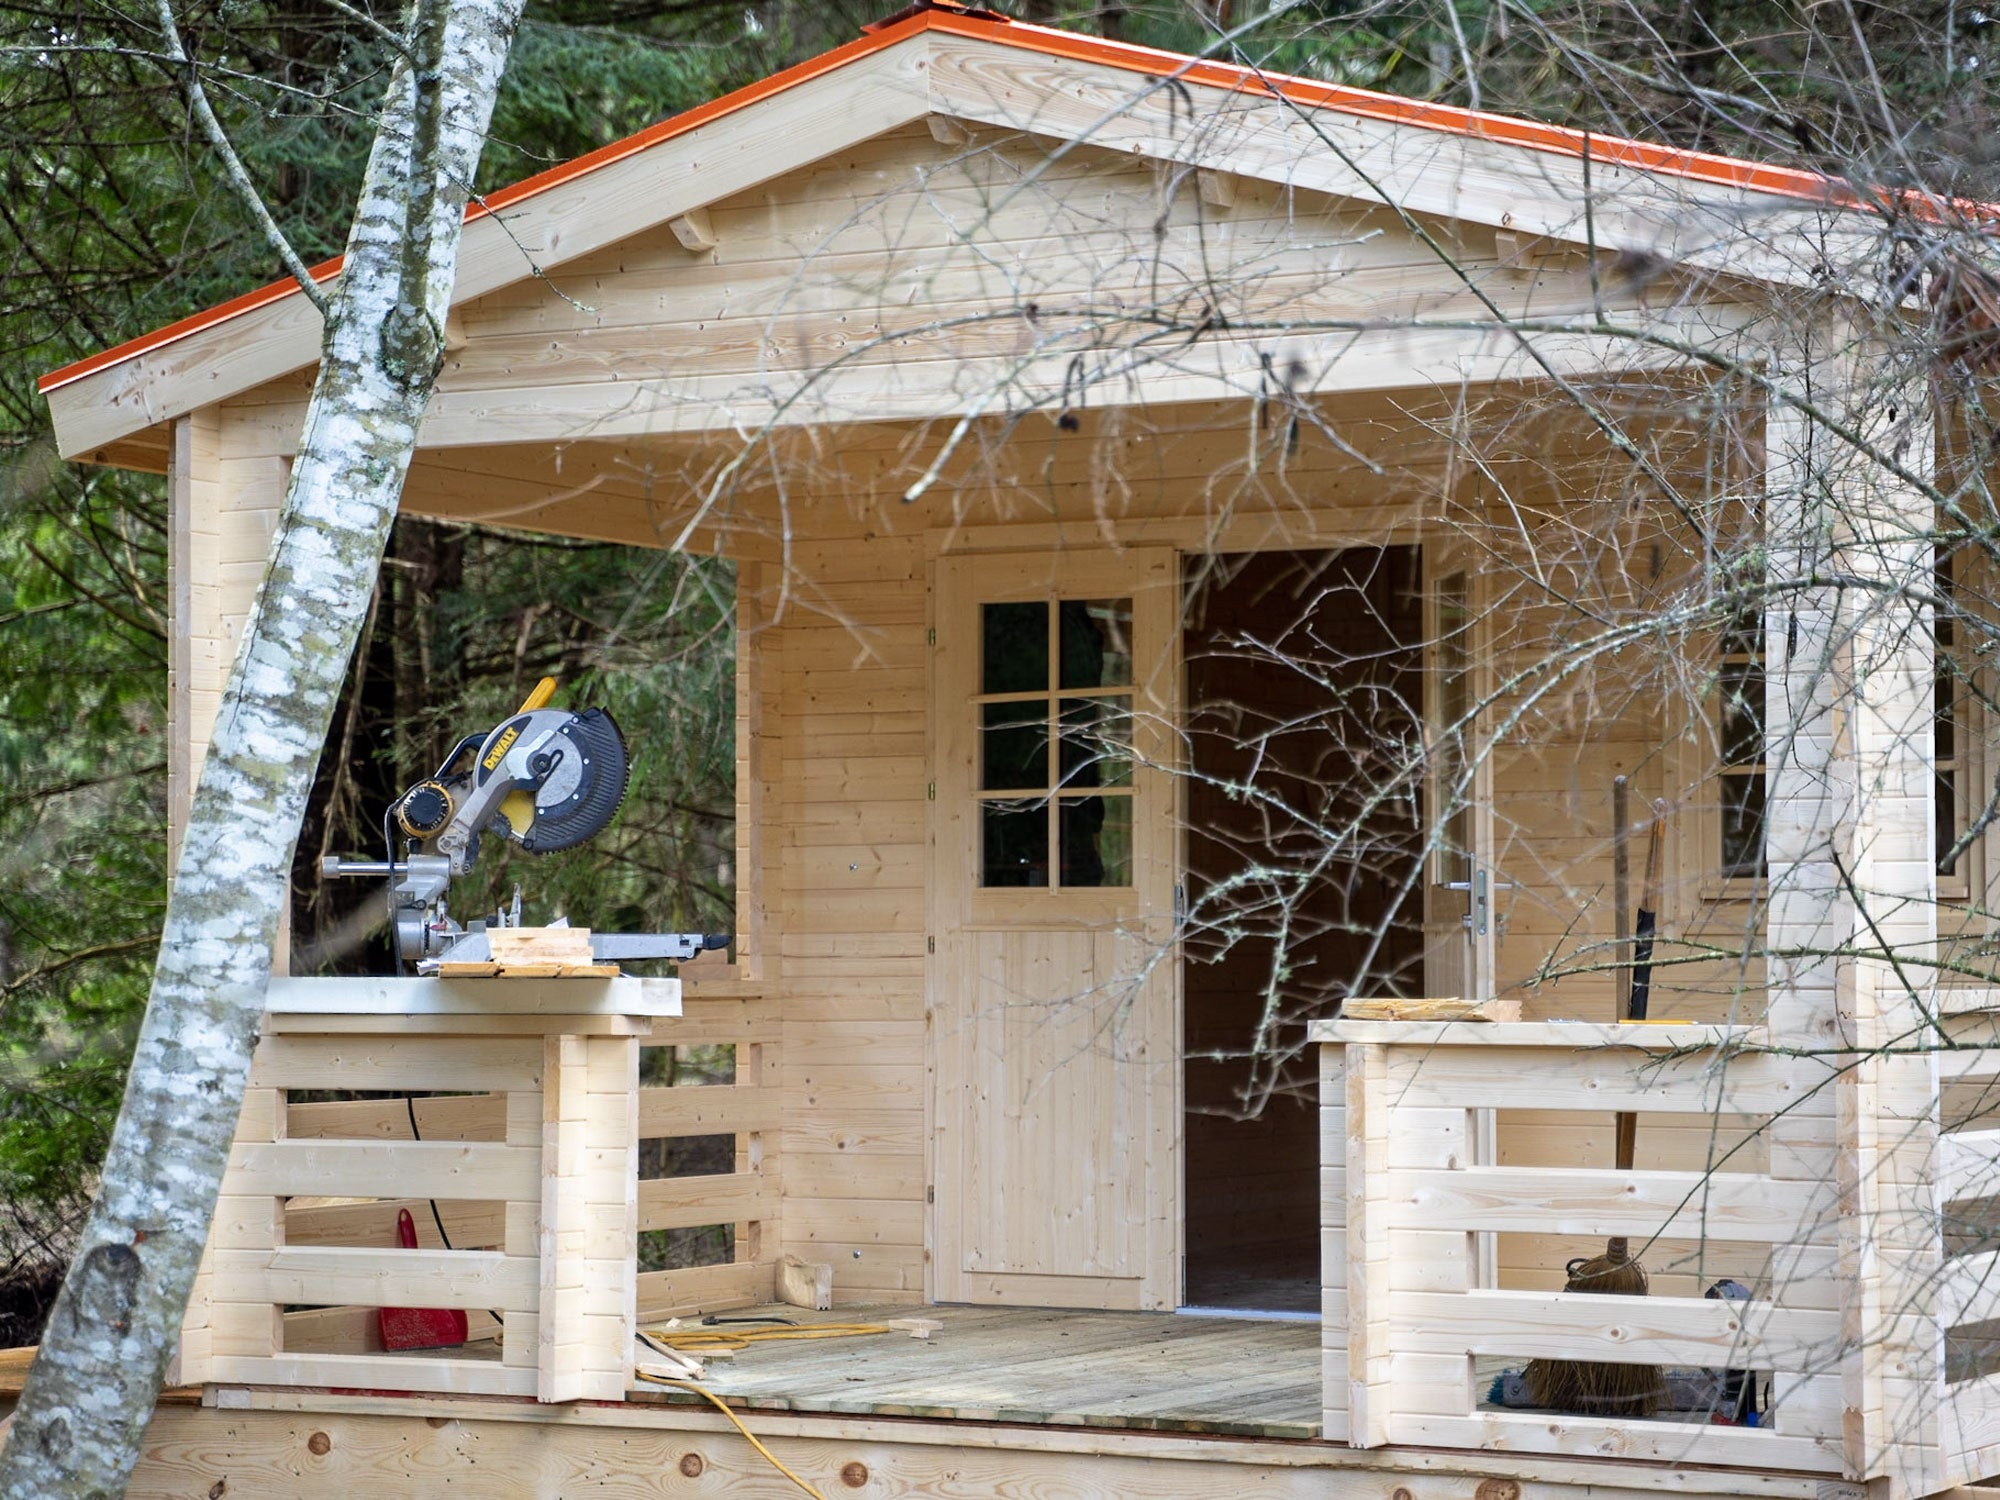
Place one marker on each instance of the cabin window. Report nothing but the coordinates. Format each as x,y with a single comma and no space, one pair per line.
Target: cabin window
1741,738
1055,743
1451,811
1740,734
1954,713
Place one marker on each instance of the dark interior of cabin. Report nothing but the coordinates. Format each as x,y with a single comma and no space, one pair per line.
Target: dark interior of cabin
1304,704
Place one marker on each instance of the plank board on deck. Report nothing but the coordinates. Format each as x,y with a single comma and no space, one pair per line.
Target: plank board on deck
1151,1371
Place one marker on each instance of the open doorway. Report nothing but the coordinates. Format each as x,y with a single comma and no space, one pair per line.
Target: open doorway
1304,711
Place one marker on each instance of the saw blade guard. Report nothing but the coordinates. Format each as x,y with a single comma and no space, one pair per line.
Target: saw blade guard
583,791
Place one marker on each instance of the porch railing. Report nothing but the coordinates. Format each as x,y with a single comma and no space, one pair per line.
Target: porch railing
717,1012
527,1163
1413,1327
1967,1301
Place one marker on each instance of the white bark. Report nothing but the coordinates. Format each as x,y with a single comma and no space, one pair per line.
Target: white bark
88,1398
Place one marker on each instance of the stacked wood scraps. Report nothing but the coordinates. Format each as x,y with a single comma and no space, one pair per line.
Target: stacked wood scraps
1393,1009
534,953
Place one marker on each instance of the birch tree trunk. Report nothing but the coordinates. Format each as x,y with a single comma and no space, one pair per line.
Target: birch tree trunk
80,1420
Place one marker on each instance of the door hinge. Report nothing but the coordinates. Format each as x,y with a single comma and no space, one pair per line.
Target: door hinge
930,636
930,1194
930,791
930,945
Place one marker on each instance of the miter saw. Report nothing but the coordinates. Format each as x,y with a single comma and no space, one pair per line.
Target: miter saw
545,779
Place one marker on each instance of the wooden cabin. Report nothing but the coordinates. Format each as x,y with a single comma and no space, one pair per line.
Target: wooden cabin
1207,545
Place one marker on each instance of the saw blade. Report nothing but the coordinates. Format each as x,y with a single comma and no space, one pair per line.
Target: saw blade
584,789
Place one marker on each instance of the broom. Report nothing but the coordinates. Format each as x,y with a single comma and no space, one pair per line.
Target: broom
1580,1386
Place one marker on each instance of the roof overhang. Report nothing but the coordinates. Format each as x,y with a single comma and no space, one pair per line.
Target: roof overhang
1745,219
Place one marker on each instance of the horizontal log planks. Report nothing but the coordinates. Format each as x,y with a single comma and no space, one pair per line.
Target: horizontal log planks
357,1169
1634,1330
386,1277
1566,1200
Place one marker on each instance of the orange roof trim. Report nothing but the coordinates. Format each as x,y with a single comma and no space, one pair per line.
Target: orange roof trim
959,20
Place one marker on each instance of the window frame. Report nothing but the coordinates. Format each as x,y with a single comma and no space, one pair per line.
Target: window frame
1058,788
1703,767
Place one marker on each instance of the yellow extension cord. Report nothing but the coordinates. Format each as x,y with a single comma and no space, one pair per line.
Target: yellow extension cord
699,1341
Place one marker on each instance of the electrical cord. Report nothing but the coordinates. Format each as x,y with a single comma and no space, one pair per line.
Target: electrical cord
699,1341
750,1437
410,1103
709,1340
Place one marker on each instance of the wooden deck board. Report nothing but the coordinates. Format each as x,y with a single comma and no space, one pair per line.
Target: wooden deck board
1146,1371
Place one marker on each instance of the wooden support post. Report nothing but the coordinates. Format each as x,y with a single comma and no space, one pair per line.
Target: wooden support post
1368,1351
1852,875
1333,1239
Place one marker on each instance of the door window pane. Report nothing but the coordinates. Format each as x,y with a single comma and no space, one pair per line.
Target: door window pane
1014,747
1096,841
1096,643
1014,648
1014,843
1096,741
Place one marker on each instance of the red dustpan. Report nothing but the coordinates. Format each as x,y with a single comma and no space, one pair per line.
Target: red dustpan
419,1327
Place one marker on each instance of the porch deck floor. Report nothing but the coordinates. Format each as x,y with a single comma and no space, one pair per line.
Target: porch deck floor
1152,1371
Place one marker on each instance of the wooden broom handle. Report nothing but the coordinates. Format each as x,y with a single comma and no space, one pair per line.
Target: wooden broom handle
1627,1140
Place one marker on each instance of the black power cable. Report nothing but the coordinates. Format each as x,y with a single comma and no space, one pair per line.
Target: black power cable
410,1103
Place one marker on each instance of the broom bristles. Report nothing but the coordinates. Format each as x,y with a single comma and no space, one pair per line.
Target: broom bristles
1587,1387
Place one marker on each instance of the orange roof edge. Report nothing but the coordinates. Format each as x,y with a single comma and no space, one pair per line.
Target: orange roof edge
508,196
958,20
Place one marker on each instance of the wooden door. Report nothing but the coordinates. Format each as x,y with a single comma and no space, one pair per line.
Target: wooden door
1461,885
1055,976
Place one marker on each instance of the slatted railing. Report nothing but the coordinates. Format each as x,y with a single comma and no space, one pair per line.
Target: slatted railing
1411,1332
717,1012
532,1171
1967,1301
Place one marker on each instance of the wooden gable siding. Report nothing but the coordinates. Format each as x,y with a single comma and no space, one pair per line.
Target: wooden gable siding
906,278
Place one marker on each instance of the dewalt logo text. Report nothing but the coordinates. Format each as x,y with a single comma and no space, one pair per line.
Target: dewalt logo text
500,748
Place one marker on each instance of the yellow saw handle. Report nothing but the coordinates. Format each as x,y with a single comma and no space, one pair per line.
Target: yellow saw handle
518,807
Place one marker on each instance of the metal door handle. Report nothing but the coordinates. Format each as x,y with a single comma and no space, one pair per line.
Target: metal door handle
1480,888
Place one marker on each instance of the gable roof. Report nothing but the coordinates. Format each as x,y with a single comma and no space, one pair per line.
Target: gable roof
919,63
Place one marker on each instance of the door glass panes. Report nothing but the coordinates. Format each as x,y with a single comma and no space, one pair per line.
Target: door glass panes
1096,746
1014,648
1055,743
1096,840
1096,643
1014,844
1013,747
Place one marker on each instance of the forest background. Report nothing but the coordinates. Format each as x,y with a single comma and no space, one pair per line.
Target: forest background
114,219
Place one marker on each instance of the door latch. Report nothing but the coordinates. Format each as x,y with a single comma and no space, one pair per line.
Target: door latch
1479,913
